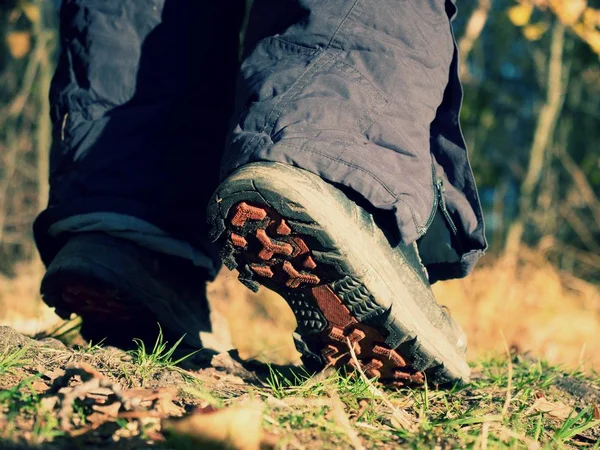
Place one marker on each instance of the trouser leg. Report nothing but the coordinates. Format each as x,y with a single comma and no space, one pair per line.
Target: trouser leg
349,89
140,101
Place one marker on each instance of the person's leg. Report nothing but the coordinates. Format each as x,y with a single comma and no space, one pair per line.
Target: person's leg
364,95
141,100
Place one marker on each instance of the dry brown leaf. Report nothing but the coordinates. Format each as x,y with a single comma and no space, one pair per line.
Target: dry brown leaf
39,386
596,412
19,43
277,403
555,409
106,411
236,428
229,363
363,405
339,415
107,400
506,434
164,403
160,401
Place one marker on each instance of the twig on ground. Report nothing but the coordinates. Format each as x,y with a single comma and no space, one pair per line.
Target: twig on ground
402,417
290,402
92,380
342,419
507,433
510,377
483,437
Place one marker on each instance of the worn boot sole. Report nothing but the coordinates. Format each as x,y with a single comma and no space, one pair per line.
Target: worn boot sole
290,231
83,279
107,314
118,297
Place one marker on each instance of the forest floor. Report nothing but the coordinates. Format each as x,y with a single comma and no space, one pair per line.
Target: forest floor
57,396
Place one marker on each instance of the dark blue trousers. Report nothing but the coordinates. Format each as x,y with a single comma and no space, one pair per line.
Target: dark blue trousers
364,93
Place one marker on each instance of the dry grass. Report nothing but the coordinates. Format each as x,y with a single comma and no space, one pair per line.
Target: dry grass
550,314
540,310
56,397
20,303
513,401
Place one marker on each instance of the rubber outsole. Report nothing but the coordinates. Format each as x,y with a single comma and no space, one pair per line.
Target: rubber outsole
120,297
105,315
277,226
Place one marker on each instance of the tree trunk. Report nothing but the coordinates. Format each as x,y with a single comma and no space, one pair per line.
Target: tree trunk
549,113
44,131
473,30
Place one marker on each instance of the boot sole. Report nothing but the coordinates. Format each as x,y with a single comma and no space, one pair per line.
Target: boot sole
75,290
288,230
85,282
106,315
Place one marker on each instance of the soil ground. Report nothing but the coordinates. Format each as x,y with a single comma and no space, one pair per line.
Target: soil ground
57,396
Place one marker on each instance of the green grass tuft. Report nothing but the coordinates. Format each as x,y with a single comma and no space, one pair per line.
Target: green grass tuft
11,360
159,357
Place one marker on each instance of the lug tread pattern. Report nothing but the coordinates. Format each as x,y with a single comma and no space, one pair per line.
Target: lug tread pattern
107,313
308,315
357,298
332,308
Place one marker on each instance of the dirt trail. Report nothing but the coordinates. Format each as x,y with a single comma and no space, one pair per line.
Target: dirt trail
54,396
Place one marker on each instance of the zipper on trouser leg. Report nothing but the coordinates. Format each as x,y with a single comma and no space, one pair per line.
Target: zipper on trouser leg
424,229
440,202
440,189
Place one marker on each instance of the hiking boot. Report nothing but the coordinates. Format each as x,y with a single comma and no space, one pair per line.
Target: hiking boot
121,291
289,230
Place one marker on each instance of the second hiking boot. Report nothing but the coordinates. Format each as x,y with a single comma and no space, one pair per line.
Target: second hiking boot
291,231
121,291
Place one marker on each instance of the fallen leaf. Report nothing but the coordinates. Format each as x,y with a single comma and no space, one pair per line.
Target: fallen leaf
158,400
277,403
50,375
235,428
39,386
555,409
205,409
164,403
363,405
596,412
339,415
107,411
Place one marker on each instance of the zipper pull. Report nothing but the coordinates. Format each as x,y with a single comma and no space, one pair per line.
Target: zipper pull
439,184
442,205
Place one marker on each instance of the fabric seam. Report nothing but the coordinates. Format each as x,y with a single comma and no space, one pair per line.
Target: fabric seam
333,159
339,27
285,99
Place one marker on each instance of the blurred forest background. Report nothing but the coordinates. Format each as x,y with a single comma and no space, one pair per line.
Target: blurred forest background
531,118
